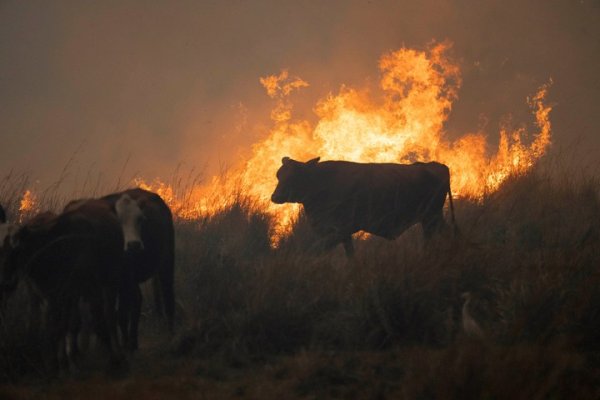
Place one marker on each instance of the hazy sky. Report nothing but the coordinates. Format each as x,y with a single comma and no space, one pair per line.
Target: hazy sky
163,83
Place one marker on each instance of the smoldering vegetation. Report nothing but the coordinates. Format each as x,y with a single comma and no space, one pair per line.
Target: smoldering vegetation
390,321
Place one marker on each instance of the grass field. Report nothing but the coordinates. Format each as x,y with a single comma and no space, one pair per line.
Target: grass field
257,322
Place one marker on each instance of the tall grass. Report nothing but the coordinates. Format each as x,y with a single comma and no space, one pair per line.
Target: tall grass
529,254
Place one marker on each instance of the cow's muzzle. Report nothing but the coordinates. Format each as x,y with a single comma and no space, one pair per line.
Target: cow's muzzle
134,246
277,198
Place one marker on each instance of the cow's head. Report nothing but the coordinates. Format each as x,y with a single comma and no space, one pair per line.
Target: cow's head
131,218
293,179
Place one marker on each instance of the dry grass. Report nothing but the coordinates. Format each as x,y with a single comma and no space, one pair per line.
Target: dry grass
256,322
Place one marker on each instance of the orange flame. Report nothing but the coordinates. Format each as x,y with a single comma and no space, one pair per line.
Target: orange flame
405,125
28,205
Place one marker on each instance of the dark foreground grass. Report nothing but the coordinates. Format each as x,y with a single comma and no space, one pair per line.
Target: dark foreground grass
462,370
256,322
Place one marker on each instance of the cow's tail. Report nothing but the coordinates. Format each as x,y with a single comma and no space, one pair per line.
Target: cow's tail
454,226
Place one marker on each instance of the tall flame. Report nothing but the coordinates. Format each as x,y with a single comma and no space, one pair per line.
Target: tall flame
403,125
418,88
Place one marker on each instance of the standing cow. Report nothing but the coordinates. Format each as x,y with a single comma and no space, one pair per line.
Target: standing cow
341,197
157,258
75,256
7,231
151,257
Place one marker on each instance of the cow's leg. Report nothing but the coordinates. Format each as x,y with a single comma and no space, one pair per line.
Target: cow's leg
165,275
104,314
34,320
70,327
74,328
134,316
129,306
52,336
100,327
348,246
87,325
109,299
169,298
3,305
158,295
94,299
63,358
124,313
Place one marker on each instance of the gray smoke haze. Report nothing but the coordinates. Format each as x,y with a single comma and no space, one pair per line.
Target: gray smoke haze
155,84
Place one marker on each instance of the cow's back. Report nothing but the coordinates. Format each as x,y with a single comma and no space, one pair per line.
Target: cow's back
74,252
384,199
101,243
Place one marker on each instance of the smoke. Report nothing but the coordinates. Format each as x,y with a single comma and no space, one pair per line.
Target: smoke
128,88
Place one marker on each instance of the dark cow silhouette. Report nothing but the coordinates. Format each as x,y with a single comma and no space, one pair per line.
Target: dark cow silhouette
153,257
35,301
157,258
341,197
75,256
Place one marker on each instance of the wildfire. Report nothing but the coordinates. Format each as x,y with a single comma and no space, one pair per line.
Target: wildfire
196,201
405,124
419,88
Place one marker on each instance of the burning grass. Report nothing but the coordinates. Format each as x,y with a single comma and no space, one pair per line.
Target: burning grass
401,120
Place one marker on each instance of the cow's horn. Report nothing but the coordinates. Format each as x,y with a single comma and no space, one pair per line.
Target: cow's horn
313,161
285,160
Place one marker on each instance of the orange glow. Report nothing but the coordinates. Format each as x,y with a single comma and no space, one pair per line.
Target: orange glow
28,205
405,125
197,201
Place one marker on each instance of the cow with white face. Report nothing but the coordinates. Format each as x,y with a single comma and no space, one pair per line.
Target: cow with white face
131,216
155,261
147,225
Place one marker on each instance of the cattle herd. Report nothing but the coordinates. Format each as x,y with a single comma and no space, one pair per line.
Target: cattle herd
97,252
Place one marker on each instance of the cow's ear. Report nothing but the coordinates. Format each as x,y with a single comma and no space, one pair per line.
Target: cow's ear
2,215
285,160
314,161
